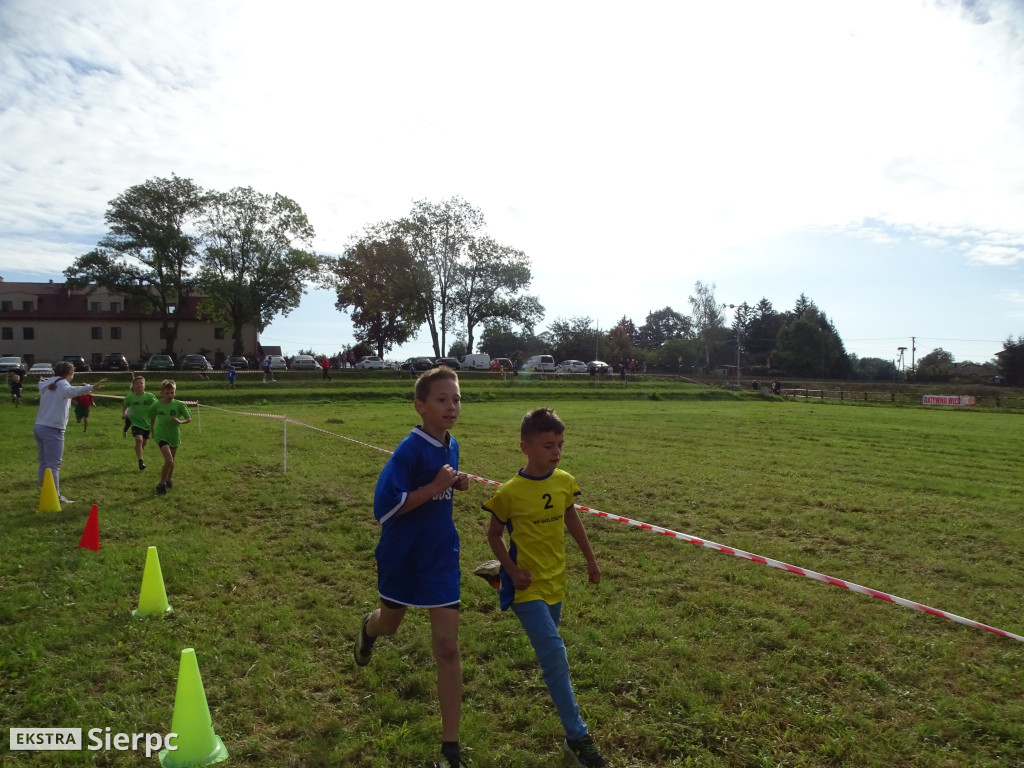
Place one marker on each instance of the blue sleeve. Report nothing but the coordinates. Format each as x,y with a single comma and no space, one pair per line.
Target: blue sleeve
394,484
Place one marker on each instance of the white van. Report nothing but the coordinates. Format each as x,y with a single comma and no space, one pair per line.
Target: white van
479,362
540,364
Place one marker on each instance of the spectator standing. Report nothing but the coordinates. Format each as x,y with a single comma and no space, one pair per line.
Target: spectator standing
55,395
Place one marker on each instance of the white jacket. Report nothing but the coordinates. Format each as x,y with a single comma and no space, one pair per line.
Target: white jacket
55,404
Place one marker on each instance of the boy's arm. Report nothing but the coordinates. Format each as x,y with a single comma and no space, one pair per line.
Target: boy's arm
496,538
574,525
443,480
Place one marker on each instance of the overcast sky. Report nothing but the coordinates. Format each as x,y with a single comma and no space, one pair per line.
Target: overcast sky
867,154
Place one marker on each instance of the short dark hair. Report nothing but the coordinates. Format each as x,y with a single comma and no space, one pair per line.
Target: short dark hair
63,368
540,420
427,379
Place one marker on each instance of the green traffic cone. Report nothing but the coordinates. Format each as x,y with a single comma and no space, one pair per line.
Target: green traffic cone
195,741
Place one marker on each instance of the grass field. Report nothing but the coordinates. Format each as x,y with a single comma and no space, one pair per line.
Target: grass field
681,656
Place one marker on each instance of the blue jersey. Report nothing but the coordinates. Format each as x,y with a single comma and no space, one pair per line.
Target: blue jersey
418,552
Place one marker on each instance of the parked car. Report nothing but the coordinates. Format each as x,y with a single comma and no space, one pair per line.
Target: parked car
370,361
41,369
451,362
599,366
11,364
418,364
79,362
502,364
480,361
195,363
540,364
571,366
115,361
304,363
240,362
277,363
159,363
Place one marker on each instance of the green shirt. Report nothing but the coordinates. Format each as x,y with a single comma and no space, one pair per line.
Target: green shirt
165,430
138,408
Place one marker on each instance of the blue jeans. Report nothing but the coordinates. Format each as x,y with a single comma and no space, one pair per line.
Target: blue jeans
540,621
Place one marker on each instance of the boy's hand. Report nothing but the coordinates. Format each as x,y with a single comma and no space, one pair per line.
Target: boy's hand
593,572
445,477
521,578
462,482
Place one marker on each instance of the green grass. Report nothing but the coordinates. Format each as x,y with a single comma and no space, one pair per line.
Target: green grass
681,656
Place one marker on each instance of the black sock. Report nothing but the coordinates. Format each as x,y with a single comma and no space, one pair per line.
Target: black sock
450,749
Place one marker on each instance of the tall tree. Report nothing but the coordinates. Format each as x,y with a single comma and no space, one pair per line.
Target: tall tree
257,261
572,339
382,284
150,249
1011,361
662,325
708,320
439,235
809,345
761,332
488,286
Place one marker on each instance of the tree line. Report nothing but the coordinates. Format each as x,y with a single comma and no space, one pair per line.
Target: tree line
249,255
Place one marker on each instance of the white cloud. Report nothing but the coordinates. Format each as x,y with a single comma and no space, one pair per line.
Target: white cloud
674,140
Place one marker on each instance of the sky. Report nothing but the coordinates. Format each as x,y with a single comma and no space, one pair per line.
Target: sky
868,154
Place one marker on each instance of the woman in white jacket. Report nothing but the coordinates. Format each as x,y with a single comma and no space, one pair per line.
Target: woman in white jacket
55,395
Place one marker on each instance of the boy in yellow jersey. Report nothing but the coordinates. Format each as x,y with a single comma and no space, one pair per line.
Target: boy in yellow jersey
536,507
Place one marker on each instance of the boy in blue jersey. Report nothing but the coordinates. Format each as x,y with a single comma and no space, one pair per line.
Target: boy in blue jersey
536,507
418,552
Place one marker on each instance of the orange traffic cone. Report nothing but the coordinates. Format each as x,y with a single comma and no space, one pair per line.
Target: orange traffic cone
91,535
197,744
48,501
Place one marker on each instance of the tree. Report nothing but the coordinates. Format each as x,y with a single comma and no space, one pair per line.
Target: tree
150,249
487,287
572,339
662,325
257,259
708,321
383,284
1011,361
761,332
809,345
438,235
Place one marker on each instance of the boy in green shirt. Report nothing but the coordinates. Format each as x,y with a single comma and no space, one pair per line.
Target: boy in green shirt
136,415
165,416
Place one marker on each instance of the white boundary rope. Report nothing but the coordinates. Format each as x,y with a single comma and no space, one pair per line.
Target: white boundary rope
824,578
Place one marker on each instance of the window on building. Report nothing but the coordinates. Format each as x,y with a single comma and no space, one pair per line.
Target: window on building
28,333
8,334
27,306
6,306
218,333
97,332
96,306
115,306
115,332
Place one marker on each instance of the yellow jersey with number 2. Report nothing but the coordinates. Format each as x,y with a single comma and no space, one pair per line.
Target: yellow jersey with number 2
532,509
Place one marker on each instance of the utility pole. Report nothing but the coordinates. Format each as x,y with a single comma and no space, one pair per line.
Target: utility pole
913,349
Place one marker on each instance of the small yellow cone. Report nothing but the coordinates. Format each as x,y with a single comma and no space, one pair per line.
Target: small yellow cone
153,596
48,501
196,743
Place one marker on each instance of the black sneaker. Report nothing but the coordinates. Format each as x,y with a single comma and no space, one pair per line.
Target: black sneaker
584,752
451,758
169,485
364,644
142,464
161,489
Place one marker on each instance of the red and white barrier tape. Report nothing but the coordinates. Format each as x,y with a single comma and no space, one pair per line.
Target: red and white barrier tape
714,546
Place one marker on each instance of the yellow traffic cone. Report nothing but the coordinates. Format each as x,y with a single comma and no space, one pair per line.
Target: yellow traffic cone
153,596
195,743
48,501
